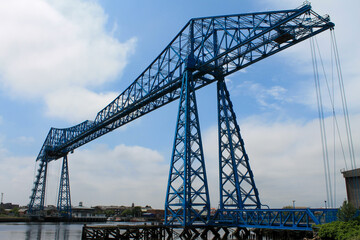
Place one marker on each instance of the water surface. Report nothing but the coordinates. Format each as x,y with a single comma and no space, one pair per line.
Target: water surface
41,231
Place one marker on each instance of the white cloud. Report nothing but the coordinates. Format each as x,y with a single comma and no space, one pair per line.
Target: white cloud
48,46
16,179
16,176
265,97
98,176
76,104
286,159
117,176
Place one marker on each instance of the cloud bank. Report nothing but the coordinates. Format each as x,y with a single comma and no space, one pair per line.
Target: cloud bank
49,47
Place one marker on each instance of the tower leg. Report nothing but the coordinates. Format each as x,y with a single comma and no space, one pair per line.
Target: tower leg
64,200
187,198
237,185
37,199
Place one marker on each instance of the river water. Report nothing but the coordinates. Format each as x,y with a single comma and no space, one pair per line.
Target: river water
51,231
41,231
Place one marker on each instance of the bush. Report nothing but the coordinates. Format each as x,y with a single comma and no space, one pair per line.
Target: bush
340,230
347,228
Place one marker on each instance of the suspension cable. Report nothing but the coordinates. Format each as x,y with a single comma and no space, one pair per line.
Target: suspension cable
331,93
356,183
322,123
335,60
344,102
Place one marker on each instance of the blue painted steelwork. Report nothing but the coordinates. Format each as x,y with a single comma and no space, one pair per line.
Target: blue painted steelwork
205,50
187,200
241,41
285,219
37,199
64,199
237,185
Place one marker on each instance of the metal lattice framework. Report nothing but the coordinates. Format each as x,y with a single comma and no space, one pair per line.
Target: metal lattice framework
37,199
187,199
287,219
237,185
64,199
206,50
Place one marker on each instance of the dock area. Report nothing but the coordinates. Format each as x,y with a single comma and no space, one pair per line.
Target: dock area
127,232
162,232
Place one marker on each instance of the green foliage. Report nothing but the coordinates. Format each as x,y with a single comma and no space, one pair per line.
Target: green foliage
2,211
288,207
346,212
132,212
109,213
347,228
136,211
15,211
340,230
127,212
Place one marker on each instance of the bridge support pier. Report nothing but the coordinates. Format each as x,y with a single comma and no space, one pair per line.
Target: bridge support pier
237,185
187,198
37,199
64,200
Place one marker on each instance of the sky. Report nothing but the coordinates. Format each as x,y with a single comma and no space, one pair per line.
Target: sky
62,61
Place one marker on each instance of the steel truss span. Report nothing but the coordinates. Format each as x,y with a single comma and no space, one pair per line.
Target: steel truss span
206,50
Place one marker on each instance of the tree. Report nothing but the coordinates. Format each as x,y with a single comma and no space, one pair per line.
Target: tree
109,212
346,228
15,211
136,211
2,210
126,213
346,212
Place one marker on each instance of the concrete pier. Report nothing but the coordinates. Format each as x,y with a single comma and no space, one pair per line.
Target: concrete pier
352,181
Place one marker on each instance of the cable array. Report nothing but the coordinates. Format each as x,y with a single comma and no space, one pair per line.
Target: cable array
332,89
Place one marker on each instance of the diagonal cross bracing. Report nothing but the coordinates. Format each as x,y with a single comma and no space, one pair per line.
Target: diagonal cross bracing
187,200
64,199
237,185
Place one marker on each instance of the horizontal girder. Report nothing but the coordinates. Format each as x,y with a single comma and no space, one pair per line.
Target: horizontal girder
285,219
219,46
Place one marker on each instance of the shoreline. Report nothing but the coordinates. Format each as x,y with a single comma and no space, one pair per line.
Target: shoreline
49,219
14,219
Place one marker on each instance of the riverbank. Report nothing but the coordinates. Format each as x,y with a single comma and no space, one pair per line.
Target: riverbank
50,219
14,219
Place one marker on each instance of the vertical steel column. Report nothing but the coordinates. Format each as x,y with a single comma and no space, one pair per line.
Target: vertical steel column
64,200
237,185
37,199
187,199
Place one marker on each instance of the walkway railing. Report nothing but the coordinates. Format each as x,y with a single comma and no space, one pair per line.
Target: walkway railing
286,219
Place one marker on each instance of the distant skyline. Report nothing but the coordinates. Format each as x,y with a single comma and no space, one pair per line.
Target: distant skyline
62,61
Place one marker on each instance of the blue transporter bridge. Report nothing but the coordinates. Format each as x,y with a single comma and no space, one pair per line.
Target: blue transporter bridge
205,51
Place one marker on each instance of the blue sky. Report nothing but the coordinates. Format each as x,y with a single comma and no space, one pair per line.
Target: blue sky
62,61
